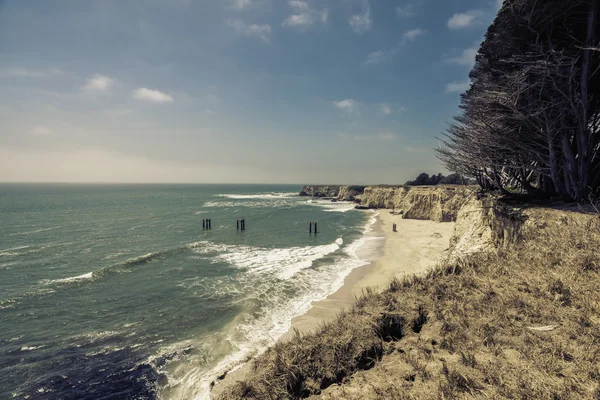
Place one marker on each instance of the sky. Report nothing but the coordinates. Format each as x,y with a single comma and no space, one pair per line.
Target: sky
231,91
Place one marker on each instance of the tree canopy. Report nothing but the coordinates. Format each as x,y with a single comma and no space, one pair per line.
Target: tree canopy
531,120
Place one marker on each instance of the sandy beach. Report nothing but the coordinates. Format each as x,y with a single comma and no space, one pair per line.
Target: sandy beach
413,249
416,246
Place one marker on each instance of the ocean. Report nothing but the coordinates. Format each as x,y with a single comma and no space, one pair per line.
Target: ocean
116,291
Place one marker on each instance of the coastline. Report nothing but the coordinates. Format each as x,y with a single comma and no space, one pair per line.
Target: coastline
416,246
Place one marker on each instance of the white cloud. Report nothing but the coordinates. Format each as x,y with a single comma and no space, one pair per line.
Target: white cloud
361,23
28,73
151,95
98,83
406,11
458,87
40,130
299,5
298,20
386,109
303,15
348,105
465,20
260,31
376,57
412,34
240,4
466,57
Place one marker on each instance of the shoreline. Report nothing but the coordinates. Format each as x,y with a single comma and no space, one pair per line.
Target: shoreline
416,247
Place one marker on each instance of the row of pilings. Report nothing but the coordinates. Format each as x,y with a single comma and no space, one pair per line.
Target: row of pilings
240,225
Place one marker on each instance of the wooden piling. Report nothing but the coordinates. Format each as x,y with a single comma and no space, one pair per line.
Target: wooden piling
315,227
310,227
203,223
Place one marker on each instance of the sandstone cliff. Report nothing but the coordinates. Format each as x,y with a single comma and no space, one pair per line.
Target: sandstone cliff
437,203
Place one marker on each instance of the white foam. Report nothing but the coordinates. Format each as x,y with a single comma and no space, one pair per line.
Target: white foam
272,195
29,348
284,262
231,203
89,275
36,231
336,206
255,333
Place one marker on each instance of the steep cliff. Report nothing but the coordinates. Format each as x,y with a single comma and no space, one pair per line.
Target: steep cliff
437,203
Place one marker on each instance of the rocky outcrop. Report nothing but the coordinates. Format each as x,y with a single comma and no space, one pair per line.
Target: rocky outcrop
437,203
338,192
321,190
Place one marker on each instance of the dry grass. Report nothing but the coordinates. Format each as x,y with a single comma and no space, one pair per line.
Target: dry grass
462,331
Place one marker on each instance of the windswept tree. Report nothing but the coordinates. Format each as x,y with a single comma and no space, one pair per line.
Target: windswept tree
531,119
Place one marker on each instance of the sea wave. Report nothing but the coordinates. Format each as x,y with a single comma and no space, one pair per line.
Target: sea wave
283,262
254,332
272,202
272,195
329,206
35,231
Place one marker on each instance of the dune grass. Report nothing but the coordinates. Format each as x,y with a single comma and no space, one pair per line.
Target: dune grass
520,323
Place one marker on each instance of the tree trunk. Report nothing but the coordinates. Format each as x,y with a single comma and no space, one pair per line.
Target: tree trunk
584,144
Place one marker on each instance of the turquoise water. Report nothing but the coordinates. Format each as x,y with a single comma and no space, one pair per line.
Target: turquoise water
116,291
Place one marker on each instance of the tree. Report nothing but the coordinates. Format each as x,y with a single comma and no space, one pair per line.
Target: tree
530,120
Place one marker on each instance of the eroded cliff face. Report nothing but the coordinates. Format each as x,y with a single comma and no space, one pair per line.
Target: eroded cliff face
482,223
437,203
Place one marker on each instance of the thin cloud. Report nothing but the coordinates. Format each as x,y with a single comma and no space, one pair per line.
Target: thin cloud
466,57
151,95
381,56
411,35
303,15
241,4
385,109
347,105
98,84
458,87
262,32
28,73
361,23
406,11
465,20
376,57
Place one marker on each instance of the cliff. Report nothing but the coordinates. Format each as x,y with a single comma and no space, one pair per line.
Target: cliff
339,192
512,313
438,203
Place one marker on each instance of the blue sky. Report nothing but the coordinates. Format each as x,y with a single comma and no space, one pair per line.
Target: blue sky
246,91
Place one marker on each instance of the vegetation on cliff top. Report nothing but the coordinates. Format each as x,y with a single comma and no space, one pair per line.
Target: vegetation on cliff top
439,179
531,119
